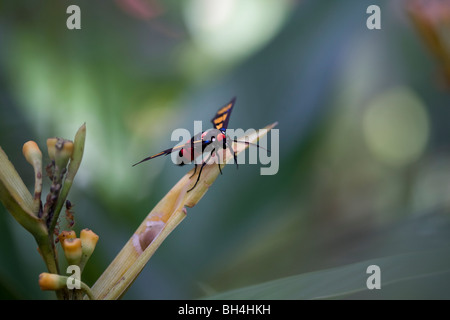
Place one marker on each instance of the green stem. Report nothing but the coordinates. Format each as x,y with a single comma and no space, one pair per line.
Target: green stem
47,250
85,288
74,164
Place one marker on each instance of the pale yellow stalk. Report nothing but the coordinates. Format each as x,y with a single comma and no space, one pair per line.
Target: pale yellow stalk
159,223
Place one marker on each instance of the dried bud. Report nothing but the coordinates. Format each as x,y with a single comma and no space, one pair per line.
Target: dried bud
66,235
51,281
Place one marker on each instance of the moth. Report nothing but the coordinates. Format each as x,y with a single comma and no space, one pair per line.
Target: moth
211,142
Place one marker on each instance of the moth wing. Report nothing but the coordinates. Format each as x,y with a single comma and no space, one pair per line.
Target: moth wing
220,120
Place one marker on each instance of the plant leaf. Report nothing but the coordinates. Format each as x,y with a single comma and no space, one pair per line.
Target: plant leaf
407,276
15,196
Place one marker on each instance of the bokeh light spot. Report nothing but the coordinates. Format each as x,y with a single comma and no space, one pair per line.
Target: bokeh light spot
231,29
396,126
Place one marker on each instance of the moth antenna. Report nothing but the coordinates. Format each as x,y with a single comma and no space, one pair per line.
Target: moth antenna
141,161
165,152
252,144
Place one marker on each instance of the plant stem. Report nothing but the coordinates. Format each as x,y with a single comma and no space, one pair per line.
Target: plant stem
74,164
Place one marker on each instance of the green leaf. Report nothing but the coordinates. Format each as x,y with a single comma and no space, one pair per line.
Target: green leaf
417,275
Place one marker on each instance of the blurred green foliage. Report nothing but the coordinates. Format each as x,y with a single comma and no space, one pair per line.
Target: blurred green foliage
357,180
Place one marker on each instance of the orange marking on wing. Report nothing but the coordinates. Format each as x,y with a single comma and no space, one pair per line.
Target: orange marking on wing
224,109
220,119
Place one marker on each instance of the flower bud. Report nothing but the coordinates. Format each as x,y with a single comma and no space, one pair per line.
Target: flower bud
32,153
66,149
89,241
60,151
51,281
63,152
72,250
51,147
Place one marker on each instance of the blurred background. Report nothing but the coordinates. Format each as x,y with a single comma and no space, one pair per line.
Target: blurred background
363,119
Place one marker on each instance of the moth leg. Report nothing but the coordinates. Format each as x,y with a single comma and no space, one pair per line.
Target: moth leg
235,157
218,159
233,153
195,170
200,173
